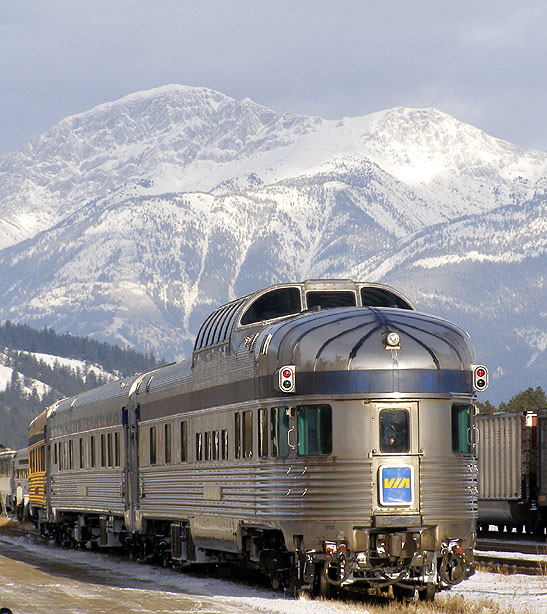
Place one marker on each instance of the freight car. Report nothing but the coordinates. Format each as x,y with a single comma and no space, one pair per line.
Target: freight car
512,457
321,432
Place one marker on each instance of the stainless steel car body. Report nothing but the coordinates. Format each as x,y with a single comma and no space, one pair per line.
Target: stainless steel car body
214,456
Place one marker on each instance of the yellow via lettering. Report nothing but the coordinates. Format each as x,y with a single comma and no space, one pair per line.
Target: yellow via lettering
396,483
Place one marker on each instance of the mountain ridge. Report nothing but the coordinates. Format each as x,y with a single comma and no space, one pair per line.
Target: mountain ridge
182,139
210,198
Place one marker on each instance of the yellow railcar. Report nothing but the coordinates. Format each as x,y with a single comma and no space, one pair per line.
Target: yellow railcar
37,467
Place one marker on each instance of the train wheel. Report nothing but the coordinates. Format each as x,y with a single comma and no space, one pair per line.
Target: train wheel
405,594
428,593
322,586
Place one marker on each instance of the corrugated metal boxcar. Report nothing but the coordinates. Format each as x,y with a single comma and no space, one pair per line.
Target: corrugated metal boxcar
512,456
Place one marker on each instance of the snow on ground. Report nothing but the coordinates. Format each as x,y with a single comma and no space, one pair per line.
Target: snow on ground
43,579
517,592
36,578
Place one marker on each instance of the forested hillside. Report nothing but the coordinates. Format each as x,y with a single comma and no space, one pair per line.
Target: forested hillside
39,367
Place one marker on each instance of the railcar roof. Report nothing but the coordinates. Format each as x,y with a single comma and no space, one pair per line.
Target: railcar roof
285,300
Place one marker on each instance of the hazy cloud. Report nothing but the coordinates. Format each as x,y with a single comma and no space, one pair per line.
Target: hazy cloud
482,62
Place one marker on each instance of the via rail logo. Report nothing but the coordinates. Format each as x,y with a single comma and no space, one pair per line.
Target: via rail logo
396,485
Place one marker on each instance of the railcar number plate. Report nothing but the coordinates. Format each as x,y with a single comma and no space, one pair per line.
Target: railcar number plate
396,484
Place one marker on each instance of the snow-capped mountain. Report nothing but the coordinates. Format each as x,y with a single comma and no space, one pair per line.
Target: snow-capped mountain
489,274
183,139
131,221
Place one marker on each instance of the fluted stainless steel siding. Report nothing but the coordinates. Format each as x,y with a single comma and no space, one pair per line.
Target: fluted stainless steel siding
448,488
263,491
103,491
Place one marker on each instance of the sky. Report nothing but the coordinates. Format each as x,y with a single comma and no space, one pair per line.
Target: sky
482,61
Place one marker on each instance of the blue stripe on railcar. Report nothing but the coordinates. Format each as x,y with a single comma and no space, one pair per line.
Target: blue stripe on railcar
384,380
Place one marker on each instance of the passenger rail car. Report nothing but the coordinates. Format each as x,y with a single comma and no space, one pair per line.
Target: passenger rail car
320,432
6,465
14,490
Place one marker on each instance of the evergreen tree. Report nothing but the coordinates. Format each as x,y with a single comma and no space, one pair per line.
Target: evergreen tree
530,399
19,405
486,407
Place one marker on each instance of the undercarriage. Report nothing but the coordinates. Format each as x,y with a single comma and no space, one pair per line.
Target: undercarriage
393,559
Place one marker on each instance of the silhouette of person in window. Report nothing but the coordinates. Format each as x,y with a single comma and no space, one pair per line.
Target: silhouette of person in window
394,431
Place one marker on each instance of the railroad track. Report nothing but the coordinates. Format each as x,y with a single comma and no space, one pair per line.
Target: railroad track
509,547
486,551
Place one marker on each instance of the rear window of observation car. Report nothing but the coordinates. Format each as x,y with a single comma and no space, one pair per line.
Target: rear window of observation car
314,427
394,431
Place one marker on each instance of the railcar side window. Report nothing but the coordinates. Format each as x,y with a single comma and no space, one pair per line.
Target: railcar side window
103,450
81,453
461,422
274,304
279,424
394,431
208,445
153,446
216,445
247,434
92,451
183,441
262,432
314,426
330,300
224,442
167,444
199,447
110,450
117,450
237,432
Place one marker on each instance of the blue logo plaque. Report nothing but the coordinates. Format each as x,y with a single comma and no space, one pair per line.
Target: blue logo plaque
396,485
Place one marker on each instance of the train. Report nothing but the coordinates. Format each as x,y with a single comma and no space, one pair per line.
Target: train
14,482
321,432
512,458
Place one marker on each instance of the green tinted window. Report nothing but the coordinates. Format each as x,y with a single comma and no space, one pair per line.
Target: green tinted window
461,423
314,425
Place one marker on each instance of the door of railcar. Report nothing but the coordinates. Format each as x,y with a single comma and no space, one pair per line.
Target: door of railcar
131,422
395,459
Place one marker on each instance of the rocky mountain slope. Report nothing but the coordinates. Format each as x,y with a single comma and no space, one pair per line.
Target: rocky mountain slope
131,221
